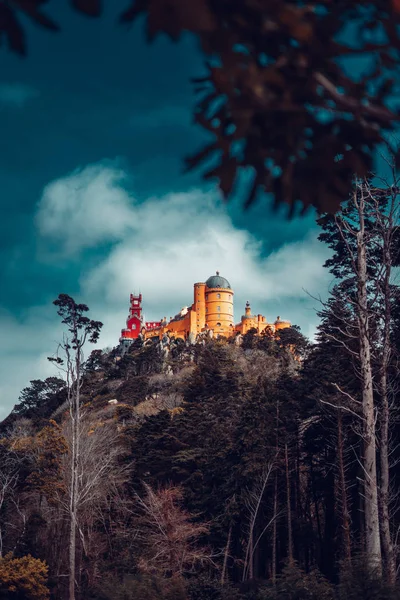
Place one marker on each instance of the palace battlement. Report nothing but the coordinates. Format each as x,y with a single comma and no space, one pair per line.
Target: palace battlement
212,310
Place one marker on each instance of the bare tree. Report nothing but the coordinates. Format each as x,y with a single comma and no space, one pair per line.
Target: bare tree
9,473
169,536
69,357
364,246
386,220
226,554
101,475
373,543
254,499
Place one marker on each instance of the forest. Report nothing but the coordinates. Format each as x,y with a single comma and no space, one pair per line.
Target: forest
251,468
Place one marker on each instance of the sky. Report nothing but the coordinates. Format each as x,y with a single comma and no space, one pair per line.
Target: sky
95,125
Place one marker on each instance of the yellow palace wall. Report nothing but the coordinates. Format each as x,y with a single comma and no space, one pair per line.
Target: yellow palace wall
212,308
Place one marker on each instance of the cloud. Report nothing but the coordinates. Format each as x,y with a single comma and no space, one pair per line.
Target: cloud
160,246
164,244
84,209
16,94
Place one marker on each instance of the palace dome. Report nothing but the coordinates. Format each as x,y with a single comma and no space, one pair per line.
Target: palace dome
216,281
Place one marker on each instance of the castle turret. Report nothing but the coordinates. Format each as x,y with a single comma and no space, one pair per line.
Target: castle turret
198,314
219,305
280,324
134,322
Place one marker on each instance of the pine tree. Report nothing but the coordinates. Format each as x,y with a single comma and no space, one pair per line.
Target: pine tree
362,239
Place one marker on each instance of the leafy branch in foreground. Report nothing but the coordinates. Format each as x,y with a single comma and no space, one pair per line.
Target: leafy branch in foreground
277,97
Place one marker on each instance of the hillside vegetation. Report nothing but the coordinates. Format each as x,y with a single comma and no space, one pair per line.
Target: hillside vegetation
188,477
251,468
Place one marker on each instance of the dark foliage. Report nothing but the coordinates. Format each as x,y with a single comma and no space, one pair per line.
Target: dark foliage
40,398
258,448
276,97
78,325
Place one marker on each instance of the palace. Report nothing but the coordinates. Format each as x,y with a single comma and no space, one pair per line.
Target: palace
212,310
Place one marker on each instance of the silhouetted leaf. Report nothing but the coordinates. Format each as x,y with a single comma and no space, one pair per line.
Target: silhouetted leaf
31,9
225,173
172,16
275,85
92,8
193,161
396,5
11,29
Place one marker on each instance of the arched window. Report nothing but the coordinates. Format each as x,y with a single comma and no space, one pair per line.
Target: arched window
218,324
218,308
218,296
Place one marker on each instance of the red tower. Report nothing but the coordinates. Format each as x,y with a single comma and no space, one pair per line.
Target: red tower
134,322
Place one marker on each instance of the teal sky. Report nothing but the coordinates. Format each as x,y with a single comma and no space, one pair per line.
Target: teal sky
95,124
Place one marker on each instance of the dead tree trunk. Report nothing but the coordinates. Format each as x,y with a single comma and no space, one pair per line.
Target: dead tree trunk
385,223
275,513
75,414
254,503
226,555
274,530
345,515
372,533
288,508
387,544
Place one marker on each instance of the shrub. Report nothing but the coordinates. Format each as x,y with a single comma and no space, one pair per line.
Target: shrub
143,587
360,582
23,578
295,584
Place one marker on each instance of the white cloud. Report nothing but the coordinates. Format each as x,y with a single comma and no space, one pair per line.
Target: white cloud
86,208
16,94
160,247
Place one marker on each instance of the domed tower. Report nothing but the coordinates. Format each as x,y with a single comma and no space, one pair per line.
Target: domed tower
219,305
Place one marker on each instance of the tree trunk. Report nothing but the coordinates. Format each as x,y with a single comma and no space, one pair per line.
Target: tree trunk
74,492
345,516
73,503
274,530
226,554
387,544
372,536
251,557
289,508
72,557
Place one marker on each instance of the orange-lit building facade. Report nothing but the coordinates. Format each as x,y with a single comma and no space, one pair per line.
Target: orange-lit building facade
212,309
